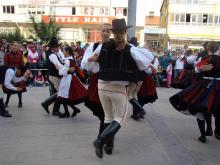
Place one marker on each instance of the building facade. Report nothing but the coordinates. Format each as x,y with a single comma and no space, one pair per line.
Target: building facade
79,19
190,22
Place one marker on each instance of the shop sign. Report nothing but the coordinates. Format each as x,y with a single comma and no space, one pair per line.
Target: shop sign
78,19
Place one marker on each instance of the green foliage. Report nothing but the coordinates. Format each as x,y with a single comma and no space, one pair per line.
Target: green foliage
44,31
12,36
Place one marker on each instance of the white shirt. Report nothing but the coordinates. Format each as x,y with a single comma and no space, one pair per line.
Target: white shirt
10,77
91,66
154,65
179,63
54,59
65,82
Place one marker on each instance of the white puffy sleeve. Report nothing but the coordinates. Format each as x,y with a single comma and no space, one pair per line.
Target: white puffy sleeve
142,57
197,70
63,69
90,66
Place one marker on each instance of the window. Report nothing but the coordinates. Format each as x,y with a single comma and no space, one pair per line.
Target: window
216,19
73,10
210,19
183,18
199,18
193,18
180,1
205,18
9,9
125,12
189,1
188,17
177,18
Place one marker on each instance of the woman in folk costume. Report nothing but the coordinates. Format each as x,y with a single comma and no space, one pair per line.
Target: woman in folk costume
202,98
71,91
119,63
89,63
185,78
147,92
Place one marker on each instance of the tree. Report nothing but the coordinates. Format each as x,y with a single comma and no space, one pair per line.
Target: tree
44,31
12,36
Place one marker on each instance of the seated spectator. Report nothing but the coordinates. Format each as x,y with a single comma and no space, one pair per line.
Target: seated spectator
39,79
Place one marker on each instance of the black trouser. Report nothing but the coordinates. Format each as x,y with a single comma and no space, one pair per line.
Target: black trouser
217,122
19,98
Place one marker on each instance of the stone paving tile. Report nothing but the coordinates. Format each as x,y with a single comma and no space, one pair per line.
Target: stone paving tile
33,138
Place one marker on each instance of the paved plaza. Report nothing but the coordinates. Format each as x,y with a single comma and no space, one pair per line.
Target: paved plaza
164,137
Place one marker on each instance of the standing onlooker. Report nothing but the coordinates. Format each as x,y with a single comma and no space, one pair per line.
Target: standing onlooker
2,54
179,64
13,58
79,52
169,73
32,61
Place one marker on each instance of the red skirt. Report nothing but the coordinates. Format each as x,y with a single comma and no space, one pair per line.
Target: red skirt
21,84
92,96
77,92
147,92
203,96
184,80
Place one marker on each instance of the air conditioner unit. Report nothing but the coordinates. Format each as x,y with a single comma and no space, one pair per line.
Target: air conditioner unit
151,13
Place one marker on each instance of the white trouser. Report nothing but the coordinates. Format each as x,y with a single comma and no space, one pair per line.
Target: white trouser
114,100
1,92
55,81
133,89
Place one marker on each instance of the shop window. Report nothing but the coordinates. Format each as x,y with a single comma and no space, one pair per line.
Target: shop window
4,9
188,17
205,18
73,10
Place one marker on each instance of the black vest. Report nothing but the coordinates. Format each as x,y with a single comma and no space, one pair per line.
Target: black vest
3,70
52,70
118,65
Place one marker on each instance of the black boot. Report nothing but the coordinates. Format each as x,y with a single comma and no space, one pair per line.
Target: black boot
201,124
109,144
138,107
3,112
48,102
135,115
7,99
208,119
66,114
75,110
20,100
108,132
56,109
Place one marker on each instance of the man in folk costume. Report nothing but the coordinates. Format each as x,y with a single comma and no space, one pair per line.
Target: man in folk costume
89,63
54,78
119,64
9,76
14,59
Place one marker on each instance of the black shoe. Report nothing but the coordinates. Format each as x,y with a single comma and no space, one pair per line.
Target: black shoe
142,114
55,113
217,136
202,139
75,112
64,115
135,117
108,148
5,114
45,108
19,105
6,104
98,144
209,132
